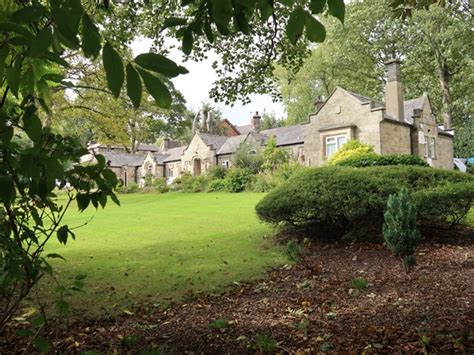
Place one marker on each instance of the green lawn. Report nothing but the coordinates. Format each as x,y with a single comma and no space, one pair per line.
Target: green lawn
157,248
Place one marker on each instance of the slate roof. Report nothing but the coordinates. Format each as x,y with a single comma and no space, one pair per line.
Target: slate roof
286,135
364,99
173,154
245,128
148,147
232,144
216,141
410,105
160,157
123,159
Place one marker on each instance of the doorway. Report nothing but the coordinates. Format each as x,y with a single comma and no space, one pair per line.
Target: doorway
197,167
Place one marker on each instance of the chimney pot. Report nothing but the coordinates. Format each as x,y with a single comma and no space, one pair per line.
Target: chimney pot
166,144
256,122
318,104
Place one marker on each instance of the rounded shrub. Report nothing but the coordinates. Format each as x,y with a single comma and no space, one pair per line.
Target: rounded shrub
261,183
348,200
190,183
216,185
160,185
372,159
237,179
352,148
217,172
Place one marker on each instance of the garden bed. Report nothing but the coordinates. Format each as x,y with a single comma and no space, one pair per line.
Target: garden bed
318,309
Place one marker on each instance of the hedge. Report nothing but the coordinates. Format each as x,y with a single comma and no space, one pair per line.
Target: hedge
372,159
348,200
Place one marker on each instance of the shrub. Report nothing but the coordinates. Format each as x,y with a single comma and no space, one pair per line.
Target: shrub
217,172
216,185
220,323
237,179
352,148
399,229
161,185
286,171
372,159
359,283
347,200
274,156
131,188
191,183
261,183
247,157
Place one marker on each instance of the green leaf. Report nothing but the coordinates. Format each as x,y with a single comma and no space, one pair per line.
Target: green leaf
134,86
110,176
173,22
266,9
28,81
295,26
113,66
337,8
24,332
57,78
317,6
63,307
156,88
67,16
33,127
82,201
160,64
7,190
13,79
115,199
44,92
90,37
62,234
209,32
315,31
187,42
37,321
55,256
56,58
222,11
29,14
13,27
287,2
41,42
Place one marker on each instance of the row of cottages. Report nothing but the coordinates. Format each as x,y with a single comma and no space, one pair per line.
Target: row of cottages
394,127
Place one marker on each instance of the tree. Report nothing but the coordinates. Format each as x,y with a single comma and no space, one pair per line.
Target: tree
353,57
249,158
399,230
270,120
274,156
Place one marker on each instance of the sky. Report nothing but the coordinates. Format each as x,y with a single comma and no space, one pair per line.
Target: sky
195,87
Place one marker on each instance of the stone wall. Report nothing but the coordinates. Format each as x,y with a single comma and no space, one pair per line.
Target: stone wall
198,152
395,138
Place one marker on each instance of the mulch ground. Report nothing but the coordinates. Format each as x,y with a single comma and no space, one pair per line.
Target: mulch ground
308,308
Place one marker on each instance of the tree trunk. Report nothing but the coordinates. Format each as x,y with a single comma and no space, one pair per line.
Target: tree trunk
444,82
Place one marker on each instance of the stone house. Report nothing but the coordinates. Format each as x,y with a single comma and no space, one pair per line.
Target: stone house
397,126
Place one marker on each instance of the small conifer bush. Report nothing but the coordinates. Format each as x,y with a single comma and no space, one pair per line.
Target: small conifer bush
399,230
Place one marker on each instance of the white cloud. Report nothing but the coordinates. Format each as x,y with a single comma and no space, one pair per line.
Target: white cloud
196,85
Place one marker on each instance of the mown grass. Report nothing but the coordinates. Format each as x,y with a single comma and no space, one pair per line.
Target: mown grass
160,248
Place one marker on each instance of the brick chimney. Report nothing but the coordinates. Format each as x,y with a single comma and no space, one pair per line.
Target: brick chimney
166,144
394,91
256,122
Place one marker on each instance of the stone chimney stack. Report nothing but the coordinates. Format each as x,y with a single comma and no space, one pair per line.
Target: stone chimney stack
256,122
394,90
166,144
318,104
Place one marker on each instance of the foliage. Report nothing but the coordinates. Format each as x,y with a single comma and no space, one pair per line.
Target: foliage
359,283
435,45
464,140
217,172
453,201
399,229
131,188
190,183
217,185
372,159
161,185
262,182
248,157
349,201
274,156
219,324
269,120
266,344
293,251
352,148
237,179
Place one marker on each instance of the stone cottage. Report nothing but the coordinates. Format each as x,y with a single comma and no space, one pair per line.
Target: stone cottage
396,126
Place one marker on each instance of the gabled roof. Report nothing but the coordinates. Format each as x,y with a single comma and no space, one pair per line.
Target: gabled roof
123,159
410,105
160,157
173,154
245,128
148,147
232,144
215,141
286,135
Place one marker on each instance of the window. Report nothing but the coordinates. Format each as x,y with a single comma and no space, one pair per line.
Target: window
430,147
252,152
301,154
225,164
334,143
170,172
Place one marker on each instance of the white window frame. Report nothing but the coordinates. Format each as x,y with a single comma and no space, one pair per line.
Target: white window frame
430,147
170,172
225,163
336,143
